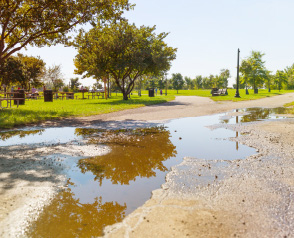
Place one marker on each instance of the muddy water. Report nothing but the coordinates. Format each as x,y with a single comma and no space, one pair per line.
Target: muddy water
102,190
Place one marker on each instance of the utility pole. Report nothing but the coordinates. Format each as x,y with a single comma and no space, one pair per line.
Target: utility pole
165,83
237,95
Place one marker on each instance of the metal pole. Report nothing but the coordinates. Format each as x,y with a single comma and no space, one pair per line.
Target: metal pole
237,95
108,87
165,84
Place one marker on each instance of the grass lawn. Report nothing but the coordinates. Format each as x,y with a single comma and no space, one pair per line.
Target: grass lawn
262,93
38,110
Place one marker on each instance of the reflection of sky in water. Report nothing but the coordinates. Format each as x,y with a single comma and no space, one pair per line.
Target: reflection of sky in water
50,135
201,142
196,141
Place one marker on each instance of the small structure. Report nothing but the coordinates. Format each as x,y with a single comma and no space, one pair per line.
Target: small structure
218,92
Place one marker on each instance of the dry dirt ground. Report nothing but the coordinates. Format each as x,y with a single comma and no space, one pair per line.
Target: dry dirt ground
253,198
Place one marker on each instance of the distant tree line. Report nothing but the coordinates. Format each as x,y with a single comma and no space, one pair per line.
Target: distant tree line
177,81
255,75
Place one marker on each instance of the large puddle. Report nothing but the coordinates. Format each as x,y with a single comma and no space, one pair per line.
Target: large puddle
116,170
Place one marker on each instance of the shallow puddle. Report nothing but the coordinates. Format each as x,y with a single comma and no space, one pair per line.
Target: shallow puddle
102,189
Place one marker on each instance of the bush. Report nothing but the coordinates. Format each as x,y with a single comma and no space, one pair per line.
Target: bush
66,89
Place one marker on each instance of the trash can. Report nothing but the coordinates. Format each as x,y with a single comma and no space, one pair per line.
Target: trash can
48,96
256,90
20,94
151,92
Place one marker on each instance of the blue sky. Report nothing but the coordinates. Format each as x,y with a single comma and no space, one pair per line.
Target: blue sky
207,34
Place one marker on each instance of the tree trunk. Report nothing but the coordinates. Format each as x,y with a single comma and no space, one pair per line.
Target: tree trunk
105,89
125,96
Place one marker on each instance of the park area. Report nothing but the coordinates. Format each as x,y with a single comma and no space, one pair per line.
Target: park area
179,165
143,119
36,110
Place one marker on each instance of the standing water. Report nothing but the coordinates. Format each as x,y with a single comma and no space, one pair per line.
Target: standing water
102,189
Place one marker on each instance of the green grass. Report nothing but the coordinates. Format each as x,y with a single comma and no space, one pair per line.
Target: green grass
262,93
37,110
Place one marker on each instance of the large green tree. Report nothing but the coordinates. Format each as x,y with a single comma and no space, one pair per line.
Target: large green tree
124,52
253,70
47,22
223,78
289,71
33,69
177,81
74,83
189,82
198,81
11,71
280,79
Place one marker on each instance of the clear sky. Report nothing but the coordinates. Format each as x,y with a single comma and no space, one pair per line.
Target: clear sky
207,34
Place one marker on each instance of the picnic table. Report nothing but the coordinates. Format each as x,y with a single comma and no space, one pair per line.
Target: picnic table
9,94
8,101
95,94
30,95
67,95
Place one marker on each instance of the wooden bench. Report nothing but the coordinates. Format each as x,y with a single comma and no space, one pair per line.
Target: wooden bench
218,92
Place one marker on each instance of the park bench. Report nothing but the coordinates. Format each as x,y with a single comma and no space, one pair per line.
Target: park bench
218,92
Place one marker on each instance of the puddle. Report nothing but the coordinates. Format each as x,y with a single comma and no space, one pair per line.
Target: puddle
102,189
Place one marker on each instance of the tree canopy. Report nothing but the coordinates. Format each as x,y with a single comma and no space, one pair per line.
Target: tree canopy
123,52
177,81
253,69
47,22
23,70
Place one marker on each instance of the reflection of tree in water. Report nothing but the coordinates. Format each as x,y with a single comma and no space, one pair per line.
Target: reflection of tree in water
8,134
67,217
133,153
261,113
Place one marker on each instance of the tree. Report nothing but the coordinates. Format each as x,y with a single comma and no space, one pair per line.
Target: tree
253,70
290,76
177,81
245,70
280,79
223,78
123,52
207,82
11,71
39,23
268,78
189,82
161,83
55,77
198,82
32,69
74,83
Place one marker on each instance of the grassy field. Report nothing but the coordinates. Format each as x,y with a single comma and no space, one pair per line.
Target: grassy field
262,93
37,110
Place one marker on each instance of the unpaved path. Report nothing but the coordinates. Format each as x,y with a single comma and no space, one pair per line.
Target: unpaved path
182,106
26,183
